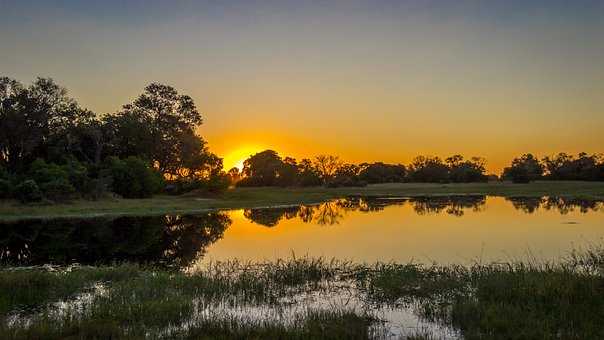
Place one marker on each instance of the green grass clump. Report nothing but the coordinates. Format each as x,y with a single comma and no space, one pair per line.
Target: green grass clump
337,324
504,301
24,289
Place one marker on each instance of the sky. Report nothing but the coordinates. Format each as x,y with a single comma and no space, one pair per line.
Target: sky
365,80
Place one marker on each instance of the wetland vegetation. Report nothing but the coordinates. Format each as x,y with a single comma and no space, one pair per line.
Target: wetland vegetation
308,298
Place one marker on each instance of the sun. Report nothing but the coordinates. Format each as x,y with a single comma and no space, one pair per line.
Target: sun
236,157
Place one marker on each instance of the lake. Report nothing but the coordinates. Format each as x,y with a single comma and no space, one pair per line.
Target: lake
443,229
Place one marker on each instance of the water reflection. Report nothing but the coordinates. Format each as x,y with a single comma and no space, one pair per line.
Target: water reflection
164,240
562,205
332,212
178,240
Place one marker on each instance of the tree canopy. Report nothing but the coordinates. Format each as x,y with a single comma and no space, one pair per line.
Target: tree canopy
157,132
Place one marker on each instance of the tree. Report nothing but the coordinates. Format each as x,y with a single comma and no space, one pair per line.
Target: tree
428,169
31,118
234,175
466,171
262,169
156,126
326,166
346,175
524,169
382,173
308,174
567,167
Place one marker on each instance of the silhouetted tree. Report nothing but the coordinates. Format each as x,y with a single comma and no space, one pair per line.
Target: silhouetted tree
428,169
382,173
308,174
465,171
524,169
326,166
234,175
566,167
31,117
346,175
262,169
157,124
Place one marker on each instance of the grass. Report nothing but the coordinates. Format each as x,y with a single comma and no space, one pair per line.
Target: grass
484,301
262,197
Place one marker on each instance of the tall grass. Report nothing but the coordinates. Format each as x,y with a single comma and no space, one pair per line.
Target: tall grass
521,300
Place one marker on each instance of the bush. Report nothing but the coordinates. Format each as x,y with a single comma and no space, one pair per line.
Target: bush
6,188
58,190
42,172
28,191
218,183
518,175
77,174
215,184
133,178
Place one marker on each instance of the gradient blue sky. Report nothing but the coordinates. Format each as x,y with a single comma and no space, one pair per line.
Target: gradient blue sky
379,80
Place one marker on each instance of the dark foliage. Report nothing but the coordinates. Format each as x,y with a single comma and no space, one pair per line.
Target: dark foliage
428,169
382,173
524,169
6,188
583,167
133,178
28,191
47,137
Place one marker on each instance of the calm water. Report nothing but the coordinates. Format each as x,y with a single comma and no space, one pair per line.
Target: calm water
444,230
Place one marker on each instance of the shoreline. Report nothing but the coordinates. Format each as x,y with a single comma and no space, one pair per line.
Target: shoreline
270,197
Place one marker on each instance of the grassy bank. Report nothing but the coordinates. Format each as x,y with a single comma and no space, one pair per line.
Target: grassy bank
271,300
261,197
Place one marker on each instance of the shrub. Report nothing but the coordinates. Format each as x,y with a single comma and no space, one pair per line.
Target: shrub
77,174
6,188
217,183
58,190
42,172
133,178
28,191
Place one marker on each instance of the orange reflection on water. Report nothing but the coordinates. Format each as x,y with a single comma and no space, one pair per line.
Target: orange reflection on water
489,229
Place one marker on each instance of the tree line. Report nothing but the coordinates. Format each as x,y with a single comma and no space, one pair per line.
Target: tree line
53,149
267,168
583,167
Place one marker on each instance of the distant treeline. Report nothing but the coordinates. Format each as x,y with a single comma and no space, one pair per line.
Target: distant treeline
53,149
267,168
582,167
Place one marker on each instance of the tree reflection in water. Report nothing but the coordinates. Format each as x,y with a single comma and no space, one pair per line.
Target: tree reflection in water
332,212
159,240
177,240
562,205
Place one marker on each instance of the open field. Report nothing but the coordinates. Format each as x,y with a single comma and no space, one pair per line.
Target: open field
279,300
271,196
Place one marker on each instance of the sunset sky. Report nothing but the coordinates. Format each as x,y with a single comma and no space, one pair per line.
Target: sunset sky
365,80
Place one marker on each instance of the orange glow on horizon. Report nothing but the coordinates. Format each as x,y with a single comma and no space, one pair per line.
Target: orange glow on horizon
237,156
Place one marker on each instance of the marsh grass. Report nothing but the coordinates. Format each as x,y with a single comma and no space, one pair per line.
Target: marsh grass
522,300
517,300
